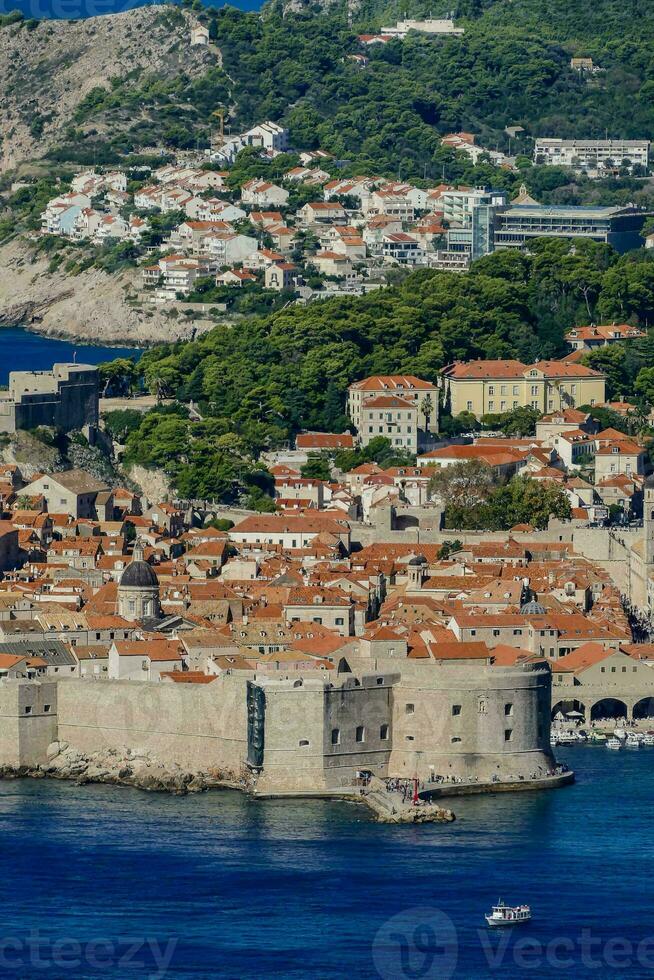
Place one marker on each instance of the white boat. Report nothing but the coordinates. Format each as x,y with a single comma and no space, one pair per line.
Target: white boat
567,738
632,742
507,915
648,740
613,743
599,738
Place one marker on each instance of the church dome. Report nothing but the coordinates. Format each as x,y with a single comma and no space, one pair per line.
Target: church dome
139,575
532,608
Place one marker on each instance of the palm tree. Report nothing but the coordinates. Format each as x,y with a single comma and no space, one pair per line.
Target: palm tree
427,407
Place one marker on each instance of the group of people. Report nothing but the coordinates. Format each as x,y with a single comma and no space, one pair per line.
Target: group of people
403,786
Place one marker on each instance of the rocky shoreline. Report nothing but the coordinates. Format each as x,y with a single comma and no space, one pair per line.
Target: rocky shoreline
91,307
139,770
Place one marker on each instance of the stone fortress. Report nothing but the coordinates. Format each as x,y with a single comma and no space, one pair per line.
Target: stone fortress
461,715
65,398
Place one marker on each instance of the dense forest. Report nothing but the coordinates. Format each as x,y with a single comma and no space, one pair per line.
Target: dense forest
257,384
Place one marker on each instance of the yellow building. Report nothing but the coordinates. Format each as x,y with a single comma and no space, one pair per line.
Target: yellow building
493,387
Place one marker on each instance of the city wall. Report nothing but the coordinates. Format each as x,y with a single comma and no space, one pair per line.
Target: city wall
196,726
28,721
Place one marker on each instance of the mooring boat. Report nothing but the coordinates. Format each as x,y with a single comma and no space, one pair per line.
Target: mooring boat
507,915
614,743
598,738
632,742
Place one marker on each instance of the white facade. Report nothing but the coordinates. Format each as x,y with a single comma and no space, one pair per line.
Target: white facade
591,154
228,249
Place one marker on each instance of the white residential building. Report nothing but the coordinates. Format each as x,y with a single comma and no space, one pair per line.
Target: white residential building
229,248
595,155
402,248
86,223
333,264
429,26
263,194
111,226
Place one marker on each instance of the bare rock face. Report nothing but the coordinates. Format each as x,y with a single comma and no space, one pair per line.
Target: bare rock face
48,68
153,483
92,306
127,768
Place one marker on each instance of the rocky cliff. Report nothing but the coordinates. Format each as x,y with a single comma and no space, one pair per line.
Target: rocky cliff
48,68
91,305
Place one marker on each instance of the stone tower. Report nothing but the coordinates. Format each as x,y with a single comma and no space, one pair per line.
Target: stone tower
138,590
648,520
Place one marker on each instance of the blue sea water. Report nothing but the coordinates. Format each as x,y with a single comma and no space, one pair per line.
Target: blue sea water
21,350
109,882
78,9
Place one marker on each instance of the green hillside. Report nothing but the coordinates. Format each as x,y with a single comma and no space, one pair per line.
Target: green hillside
511,67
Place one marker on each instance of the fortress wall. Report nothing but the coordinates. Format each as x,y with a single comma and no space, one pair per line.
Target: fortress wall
299,752
196,726
452,719
293,717
28,721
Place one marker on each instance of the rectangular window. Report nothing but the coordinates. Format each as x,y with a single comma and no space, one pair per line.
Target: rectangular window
456,710
409,709
508,709
383,733
508,733
360,733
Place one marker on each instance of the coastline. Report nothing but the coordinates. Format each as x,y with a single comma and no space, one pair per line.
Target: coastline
92,307
81,340
141,770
